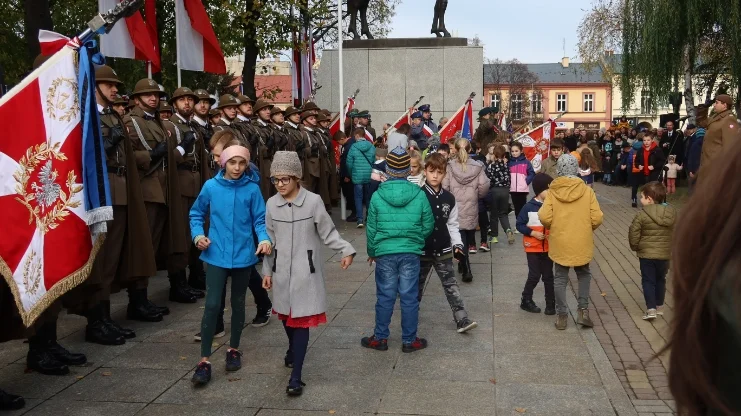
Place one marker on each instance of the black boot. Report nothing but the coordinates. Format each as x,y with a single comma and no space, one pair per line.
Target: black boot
98,332
162,310
550,307
467,275
179,288
527,304
61,353
138,309
197,277
634,203
40,359
10,401
124,332
198,294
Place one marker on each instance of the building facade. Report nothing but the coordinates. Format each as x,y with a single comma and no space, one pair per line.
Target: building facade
563,91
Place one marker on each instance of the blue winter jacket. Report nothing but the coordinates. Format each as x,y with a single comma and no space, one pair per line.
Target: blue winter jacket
694,151
521,174
236,212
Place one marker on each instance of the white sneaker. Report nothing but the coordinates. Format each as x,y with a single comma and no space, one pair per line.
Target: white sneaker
650,315
660,310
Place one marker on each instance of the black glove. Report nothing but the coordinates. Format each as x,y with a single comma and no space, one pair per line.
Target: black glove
189,139
159,151
114,138
458,252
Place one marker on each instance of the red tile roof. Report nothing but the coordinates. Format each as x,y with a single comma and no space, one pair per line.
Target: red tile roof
277,85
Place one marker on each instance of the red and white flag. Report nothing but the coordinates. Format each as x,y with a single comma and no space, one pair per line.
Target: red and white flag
536,143
51,42
130,40
461,121
303,66
150,11
336,125
47,247
199,48
427,131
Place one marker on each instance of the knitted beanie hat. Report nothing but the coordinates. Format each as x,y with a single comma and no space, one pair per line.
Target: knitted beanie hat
567,166
397,163
286,163
541,182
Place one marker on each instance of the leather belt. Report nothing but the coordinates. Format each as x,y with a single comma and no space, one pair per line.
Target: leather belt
190,167
118,170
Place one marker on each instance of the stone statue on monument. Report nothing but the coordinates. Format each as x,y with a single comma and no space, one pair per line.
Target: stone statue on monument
355,7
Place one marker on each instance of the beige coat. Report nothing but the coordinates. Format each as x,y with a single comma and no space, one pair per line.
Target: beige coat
467,186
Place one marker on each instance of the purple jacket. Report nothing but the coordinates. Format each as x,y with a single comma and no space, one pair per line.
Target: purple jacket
521,174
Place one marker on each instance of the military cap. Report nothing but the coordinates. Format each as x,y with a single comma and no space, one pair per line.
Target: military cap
309,109
183,92
245,99
260,104
425,108
120,100
323,117
228,100
40,59
353,113
484,111
417,114
105,73
276,110
214,112
164,106
147,86
204,95
291,110
363,114
724,98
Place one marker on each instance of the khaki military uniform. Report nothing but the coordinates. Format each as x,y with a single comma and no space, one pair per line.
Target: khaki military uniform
333,180
315,156
263,148
234,128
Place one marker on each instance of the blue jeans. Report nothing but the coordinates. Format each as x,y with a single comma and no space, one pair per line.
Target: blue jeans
397,273
362,195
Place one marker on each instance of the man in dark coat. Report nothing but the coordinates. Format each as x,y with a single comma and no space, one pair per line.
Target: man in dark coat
672,142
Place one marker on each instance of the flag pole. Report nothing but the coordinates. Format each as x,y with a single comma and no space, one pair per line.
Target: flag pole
177,46
406,114
149,69
343,202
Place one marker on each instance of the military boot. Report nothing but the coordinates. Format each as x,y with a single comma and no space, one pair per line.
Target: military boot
582,318
98,332
197,277
139,308
40,358
179,288
124,332
10,401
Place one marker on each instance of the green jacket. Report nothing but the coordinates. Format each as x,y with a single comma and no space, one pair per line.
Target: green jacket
651,232
399,219
360,161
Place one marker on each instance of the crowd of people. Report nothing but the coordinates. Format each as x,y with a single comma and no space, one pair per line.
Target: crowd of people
210,193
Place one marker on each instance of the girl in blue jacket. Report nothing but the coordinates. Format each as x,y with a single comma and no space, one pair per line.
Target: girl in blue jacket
236,212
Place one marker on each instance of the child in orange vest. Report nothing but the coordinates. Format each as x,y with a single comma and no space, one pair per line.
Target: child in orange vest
535,240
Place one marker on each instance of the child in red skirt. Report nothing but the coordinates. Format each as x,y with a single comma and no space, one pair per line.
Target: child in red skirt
299,226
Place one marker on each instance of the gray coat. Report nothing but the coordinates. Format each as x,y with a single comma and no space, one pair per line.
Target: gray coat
299,230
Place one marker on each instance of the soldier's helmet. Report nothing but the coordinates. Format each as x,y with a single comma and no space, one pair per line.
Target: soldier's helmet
260,104
245,99
164,106
277,110
183,92
120,100
228,100
291,110
309,109
105,73
204,95
213,112
147,86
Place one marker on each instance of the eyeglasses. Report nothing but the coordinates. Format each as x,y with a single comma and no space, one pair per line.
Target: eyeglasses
281,181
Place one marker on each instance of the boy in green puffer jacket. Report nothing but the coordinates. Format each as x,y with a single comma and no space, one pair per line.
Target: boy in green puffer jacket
360,160
399,221
650,237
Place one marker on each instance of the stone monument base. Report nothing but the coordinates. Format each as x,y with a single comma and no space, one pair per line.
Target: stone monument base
393,73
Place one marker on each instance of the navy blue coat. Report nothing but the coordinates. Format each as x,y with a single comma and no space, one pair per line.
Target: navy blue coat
694,151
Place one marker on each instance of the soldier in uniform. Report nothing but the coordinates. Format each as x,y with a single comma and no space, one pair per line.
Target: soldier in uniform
193,172
201,124
154,148
324,119
263,144
228,105
282,140
245,111
119,105
316,166
292,117
427,117
214,116
165,110
364,122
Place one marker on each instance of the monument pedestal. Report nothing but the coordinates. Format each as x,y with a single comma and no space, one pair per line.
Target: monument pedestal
393,73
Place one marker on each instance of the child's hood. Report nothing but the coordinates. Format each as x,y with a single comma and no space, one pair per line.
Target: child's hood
363,145
661,214
398,192
567,189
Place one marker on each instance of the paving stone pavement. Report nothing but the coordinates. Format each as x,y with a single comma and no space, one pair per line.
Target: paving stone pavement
514,363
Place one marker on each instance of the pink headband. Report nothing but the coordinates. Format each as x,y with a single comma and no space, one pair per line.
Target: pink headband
234,151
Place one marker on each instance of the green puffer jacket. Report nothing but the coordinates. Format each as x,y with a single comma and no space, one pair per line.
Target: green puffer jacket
399,219
360,161
651,232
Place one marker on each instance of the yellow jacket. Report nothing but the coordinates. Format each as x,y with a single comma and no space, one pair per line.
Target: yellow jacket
571,213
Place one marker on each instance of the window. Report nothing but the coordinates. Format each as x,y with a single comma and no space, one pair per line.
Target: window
495,99
536,103
516,106
646,102
561,105
588,103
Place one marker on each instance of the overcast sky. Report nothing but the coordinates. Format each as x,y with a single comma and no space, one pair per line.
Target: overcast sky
529,30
